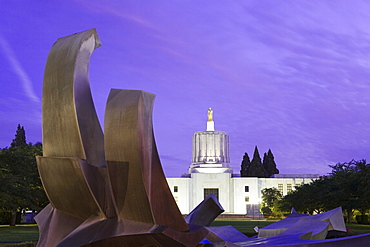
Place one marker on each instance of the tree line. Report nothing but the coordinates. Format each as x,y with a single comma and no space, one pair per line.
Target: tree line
347,185
20,184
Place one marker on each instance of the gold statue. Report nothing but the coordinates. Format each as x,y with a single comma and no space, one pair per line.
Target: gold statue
210,114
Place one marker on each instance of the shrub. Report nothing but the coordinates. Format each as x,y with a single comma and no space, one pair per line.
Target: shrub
4,217
266,211
276,215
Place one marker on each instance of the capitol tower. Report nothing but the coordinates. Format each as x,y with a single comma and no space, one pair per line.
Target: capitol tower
210,152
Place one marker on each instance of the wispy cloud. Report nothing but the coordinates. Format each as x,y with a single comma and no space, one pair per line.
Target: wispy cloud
117,11
18,70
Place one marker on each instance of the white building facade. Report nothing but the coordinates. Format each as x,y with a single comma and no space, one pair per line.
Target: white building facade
210,172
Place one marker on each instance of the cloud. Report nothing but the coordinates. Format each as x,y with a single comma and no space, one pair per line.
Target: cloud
18,70
117,10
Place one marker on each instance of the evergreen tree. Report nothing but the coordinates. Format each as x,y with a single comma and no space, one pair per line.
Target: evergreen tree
264,160
245,165
269,164
20,137
256,168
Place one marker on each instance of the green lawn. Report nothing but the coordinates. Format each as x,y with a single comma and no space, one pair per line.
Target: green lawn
17,234
358,229
22,233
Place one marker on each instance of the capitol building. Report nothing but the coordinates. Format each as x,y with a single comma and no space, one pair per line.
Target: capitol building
210,172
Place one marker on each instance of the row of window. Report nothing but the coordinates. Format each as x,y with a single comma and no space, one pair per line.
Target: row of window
289,188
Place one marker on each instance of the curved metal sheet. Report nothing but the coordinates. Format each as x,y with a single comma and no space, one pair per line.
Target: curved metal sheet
55,225
164,207
66,187
70,125
147,197
122,137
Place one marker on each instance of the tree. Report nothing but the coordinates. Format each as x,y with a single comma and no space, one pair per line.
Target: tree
349,179
270,196
256,168
346,186
20,137
245,165
269,164
21,187
308,198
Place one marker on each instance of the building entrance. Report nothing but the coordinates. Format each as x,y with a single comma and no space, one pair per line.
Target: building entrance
208,191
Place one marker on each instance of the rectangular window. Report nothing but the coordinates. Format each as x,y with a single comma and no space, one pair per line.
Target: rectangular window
246,188
288,188
247,199
208,191
175,188
280,188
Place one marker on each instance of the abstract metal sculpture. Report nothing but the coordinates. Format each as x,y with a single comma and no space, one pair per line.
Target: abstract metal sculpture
104,189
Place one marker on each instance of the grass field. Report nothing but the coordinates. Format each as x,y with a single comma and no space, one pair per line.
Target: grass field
22,233
358,229
17,234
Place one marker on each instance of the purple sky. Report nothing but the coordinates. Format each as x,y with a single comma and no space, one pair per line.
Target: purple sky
293,76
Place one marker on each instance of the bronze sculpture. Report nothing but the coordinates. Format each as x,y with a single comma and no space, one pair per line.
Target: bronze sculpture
103,188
